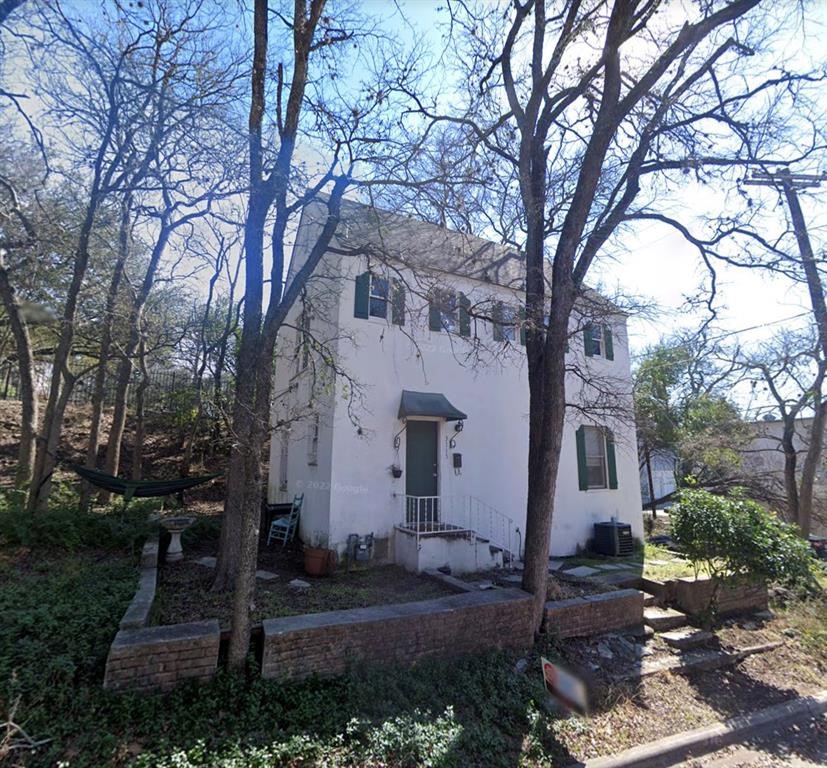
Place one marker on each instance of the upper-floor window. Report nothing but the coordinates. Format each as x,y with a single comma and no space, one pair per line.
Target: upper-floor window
596,464
508,325
506,322
597,341
313,440
303,340
443,315
375,294
379,290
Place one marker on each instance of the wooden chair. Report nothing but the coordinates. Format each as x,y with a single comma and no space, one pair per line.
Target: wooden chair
283,529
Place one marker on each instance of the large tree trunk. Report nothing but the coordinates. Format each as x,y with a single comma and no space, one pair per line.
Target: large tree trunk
62,381
136,314
239,472
790,467
27,392
647,457
99,391
810,468
140,416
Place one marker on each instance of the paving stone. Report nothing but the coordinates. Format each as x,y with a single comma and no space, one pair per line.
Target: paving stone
687,637
611,566
582,570
485,585
604,651
298,584
649,600
512,578
662,619
618,578
641,631
555,565
266,575
208,562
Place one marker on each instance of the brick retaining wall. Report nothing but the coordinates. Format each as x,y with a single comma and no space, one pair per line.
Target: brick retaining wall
593,614
333,642
692,596
137,614
154,658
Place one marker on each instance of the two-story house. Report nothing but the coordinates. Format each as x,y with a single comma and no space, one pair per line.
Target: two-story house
401,399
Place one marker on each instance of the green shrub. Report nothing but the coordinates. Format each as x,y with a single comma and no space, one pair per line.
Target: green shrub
65,526
736,540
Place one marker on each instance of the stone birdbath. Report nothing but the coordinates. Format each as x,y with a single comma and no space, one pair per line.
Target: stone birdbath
176,526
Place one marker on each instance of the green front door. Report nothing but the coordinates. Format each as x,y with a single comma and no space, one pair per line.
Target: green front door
421,474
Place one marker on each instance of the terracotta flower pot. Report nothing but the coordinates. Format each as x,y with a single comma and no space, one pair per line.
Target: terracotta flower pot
318,561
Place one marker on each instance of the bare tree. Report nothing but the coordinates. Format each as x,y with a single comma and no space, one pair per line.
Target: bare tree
578,107
13,213
791,370
353,125
140,82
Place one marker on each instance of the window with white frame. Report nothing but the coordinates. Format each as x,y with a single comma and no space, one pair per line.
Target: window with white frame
284,441
378,296
595,441
443,311
302,352
313,440
505,322
595,340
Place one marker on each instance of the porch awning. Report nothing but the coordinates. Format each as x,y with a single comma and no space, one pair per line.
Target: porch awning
428,404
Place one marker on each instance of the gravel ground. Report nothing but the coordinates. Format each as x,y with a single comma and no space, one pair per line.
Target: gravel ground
632,713
799,746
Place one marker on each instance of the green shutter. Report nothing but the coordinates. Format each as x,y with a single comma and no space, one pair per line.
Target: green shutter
582,472
397,302
361,303
607,340
464,315
587,340
497,316
434,318
611,462
521,320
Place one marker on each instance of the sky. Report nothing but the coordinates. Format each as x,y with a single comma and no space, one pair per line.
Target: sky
655,263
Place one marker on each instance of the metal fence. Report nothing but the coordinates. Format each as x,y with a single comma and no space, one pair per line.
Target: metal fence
167,391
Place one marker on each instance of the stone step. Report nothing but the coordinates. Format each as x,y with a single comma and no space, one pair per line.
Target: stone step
687,637
649,599
663,619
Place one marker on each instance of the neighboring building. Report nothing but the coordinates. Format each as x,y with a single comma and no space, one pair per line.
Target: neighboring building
763,467
664,468
421,435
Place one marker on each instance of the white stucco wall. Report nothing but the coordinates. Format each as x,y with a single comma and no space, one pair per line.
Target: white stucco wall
490,385
351,489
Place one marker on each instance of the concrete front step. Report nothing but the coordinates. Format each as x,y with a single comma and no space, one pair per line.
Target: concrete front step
687,637
649,600
663,619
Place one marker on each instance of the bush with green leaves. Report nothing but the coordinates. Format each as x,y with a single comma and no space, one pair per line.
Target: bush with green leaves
736,540
66,526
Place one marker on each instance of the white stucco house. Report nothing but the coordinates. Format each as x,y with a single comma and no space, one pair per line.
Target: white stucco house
401,400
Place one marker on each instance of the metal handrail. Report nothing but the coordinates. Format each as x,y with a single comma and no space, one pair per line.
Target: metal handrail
429,515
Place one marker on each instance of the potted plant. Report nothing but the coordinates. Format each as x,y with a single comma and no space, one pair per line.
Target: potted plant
318,559
396,471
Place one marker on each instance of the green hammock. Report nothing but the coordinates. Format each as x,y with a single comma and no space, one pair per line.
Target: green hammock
139,488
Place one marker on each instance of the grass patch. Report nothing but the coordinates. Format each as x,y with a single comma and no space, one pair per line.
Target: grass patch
666,565
60,612
809,618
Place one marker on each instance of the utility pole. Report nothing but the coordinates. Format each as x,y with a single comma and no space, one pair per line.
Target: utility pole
789,183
